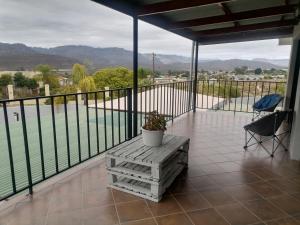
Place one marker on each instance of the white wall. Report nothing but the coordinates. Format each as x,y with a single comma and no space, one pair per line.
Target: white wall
295,134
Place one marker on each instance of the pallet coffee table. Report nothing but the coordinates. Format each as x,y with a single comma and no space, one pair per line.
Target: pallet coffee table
147,171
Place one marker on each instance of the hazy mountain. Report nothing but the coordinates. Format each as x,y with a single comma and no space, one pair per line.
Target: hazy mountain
19,56
278,62
230,64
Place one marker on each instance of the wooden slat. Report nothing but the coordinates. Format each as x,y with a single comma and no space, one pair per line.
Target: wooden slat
251,14
173,5
123,145
250,27
247,36
142,154
167,151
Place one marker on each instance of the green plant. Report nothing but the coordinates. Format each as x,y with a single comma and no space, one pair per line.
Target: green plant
155,122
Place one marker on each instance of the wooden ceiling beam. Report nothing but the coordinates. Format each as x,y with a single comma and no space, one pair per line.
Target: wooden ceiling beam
247,36
251,14
250,27
227,11
173,5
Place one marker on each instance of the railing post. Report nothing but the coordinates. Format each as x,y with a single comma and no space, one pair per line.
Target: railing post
27,155
129,113
135,75
173,100
195,77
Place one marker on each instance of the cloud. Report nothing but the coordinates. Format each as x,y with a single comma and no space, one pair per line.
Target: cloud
49,23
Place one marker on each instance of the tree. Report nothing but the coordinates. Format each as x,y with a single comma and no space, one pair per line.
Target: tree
258,71
48,75
78,73
31,83
20,80
118,77
240,70
87,84
45,70
5,80
143,73
52,81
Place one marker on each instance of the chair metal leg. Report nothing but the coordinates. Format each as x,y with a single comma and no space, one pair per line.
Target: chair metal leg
245,146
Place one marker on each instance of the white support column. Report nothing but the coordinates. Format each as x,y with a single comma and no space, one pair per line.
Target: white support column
295,134
10,91
80,102
294,148
192,61
47,90
191,75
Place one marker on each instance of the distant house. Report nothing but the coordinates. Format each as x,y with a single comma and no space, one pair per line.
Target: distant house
64,81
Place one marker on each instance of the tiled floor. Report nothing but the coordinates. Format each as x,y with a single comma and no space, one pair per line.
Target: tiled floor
223,185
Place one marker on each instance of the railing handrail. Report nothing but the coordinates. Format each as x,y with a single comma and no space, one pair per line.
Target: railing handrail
84,93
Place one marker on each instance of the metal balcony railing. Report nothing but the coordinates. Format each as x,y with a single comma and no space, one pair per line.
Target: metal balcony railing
237,96
45,136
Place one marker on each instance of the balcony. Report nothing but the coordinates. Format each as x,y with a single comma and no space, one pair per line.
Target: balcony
223,185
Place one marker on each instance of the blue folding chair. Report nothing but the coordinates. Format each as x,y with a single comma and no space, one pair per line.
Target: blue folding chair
268,103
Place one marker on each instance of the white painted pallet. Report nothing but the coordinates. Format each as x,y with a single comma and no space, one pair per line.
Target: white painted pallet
147,171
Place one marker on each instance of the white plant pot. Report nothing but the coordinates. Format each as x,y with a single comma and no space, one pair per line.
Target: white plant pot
152,138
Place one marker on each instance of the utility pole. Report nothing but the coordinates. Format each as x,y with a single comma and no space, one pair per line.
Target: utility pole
153,67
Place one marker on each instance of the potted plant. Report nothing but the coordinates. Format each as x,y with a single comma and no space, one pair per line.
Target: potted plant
153,130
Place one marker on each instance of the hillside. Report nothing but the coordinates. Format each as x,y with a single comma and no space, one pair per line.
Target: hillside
20,56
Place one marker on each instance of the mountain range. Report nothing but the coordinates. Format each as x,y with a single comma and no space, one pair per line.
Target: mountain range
22,57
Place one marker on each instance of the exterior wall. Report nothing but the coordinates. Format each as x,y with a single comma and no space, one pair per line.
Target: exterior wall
294,147
295,135
291,74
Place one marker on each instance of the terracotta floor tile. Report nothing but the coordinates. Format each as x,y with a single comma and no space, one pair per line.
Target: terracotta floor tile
285,185
194,171
141,222
218,158
287,204
135,210
242,192
120,196
167,205
68,202
105,215
264,209
230,167
203,182
264,173
284,221
192,201
265,189
211,168
182,186
175,219
98,198
66,218
237,214
217,197
235,178
207,217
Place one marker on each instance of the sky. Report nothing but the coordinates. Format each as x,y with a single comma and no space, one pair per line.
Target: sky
51,23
